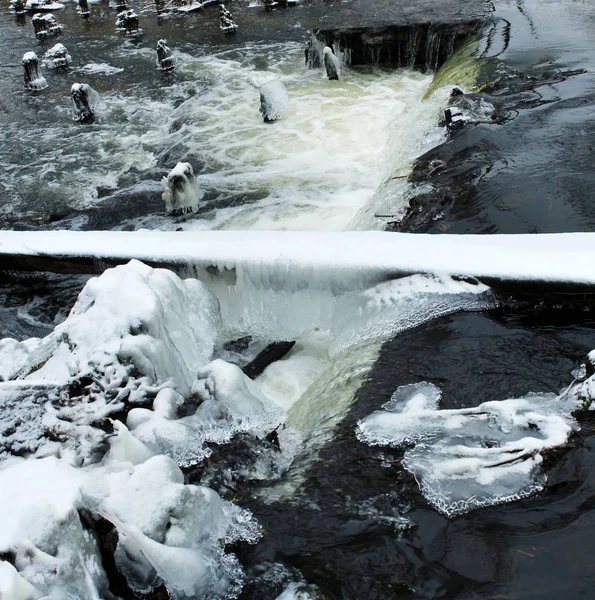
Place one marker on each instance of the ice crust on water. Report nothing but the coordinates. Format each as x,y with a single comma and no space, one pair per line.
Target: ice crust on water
471,457
389,307
99,69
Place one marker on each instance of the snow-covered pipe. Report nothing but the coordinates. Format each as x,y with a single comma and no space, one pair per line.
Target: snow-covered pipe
341,260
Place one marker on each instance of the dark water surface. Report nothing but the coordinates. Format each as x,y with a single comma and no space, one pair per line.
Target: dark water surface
347,532
537,175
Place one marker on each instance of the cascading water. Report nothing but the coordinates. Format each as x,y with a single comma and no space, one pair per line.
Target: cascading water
324,165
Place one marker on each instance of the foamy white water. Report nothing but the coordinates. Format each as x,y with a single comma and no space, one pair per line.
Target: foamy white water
315,168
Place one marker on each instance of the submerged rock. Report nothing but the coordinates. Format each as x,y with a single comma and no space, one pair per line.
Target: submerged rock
57,57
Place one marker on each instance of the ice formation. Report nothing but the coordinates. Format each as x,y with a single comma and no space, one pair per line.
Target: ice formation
393,306
332,64
33,77
168,531
127,22
132,332
180,190
274,101
135,336
165,59
85,101
227,24
230,403
46,25
34,5
57,57
471,457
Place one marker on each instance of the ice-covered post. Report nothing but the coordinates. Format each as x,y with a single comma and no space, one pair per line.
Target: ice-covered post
160,6
33,78
331,63
127,21
18,7
83,9
454,119
180,191
81,102
45,25
57,57
228,25
165,59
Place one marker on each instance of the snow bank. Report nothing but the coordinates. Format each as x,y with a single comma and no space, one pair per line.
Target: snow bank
471,457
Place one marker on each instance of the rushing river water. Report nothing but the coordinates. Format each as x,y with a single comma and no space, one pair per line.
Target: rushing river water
345,517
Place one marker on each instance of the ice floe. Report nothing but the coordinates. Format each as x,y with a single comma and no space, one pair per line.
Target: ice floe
471,457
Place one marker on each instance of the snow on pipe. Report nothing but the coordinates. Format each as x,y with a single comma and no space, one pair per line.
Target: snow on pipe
283,260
